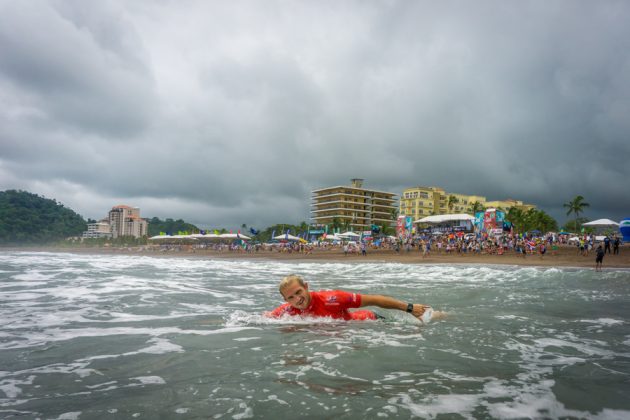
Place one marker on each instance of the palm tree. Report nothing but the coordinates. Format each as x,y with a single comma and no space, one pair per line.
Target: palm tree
517,218
576,206
336,224
476,207
452,200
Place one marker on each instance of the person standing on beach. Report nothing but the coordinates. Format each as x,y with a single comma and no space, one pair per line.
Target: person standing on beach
607,245
335,303
599,259
616,246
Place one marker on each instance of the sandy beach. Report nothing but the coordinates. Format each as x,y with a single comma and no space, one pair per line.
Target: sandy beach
566,256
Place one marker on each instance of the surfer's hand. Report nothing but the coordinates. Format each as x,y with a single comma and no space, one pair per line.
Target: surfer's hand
418,310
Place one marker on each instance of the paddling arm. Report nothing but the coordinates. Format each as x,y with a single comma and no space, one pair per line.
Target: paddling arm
387,302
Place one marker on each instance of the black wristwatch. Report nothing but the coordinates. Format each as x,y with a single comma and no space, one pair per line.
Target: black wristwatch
410,307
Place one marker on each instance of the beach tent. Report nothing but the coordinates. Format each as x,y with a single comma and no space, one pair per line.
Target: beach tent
601,223
160,238
443,218
234,236
286,237
349,235
174,239
208,237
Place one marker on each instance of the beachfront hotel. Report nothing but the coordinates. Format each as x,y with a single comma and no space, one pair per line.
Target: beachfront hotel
419,202
120,221
100,229
358,207
126,221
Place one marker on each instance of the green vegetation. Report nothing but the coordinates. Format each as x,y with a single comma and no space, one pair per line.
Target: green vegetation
279,229
530,220
452,200
27,218
574,225
170,226
576,206
476,207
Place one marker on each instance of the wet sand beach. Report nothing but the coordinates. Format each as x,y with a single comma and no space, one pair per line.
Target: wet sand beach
566,256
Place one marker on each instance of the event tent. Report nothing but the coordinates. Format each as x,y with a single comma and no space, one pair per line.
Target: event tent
286,237
601,223
348,234
443,218
234,236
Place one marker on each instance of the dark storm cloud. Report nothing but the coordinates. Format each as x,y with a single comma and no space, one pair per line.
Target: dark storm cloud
229,113
77,74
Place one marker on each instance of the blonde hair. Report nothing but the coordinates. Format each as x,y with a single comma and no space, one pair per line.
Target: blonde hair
288,280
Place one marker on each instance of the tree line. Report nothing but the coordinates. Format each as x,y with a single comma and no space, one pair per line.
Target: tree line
27,218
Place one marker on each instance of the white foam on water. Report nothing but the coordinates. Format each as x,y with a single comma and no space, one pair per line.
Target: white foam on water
431,407
149,380
72,415
603,321
11,388
77,296
247,412
55,335
242,318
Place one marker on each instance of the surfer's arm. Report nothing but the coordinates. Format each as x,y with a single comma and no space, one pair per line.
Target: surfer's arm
278,312
387,302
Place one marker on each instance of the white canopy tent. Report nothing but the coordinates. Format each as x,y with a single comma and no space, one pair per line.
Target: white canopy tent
160,237
208,237
602,223
348,235
234,236
286,237
443,218
174,239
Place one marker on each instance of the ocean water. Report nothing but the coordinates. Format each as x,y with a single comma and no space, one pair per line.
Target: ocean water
116,337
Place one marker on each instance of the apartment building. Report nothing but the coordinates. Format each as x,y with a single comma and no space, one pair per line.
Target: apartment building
126,221
100,229
419,202
359,207
508,204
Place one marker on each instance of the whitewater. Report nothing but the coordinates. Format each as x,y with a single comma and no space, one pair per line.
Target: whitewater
106,336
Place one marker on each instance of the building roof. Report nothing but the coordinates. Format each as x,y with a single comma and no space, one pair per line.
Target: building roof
354,188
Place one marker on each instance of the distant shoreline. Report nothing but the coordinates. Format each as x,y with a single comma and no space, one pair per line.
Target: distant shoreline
567,256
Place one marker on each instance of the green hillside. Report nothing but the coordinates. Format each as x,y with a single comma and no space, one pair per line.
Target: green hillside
170,226
27,218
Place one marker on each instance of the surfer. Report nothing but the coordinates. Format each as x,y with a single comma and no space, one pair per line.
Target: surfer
335,303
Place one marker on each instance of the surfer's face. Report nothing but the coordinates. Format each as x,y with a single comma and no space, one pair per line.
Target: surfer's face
297,295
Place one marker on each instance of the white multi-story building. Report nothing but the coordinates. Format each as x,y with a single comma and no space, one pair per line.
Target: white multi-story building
126,221
353,205
100,229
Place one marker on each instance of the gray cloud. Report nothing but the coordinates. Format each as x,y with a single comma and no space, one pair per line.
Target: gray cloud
226,113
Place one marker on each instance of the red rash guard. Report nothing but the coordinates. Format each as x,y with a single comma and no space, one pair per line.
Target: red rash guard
330,303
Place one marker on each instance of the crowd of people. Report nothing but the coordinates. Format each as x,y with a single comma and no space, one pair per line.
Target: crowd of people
424,244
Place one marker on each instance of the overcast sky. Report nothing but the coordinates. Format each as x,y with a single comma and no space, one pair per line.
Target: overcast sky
232,112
